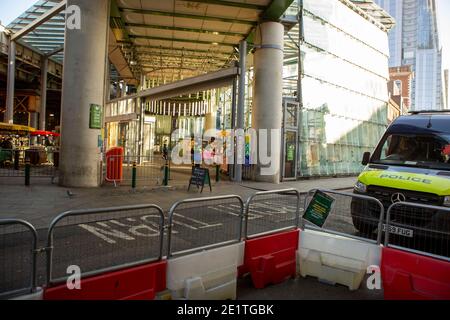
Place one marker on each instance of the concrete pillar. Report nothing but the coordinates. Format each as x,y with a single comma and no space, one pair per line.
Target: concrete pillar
43,113
268,95
10,92
240,112
34,119
83,84
34,124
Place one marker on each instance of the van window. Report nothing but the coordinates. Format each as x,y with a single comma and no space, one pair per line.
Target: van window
425,150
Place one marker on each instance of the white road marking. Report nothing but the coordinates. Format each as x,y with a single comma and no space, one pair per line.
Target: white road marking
102,233
151,226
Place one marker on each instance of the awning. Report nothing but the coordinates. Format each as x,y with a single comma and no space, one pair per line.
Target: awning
15,128
45,133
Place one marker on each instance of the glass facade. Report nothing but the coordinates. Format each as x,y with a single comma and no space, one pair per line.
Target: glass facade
419,47
343,85
395,9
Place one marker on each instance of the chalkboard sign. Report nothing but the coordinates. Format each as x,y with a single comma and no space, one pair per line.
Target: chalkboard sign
319,208
199,177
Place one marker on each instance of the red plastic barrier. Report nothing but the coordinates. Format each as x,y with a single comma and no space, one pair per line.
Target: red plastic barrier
408,276
138,283
271,259
114,164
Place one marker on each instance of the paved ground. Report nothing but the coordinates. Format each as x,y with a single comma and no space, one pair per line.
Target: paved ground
42,201
107,239
308,288
101,240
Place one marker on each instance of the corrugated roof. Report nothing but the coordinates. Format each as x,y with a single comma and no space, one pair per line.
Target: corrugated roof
171,39
376,12
47,37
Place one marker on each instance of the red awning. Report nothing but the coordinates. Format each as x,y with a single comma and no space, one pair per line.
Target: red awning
45,133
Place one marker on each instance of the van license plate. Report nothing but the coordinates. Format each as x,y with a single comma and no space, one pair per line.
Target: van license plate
400,231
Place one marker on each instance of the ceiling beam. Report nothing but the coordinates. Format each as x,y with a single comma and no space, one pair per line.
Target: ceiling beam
57,9
56,24
182,49
214,32
154,54
56,19
132,36
276,9
185,15
55,51
156,62
229,4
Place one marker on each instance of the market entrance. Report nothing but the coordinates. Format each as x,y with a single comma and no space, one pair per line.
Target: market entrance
290,139
142,129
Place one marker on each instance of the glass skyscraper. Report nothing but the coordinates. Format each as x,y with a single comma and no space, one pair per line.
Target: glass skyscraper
415,41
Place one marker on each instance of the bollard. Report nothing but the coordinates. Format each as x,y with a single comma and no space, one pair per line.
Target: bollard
133,175
217,173
166,175
27,172
16,160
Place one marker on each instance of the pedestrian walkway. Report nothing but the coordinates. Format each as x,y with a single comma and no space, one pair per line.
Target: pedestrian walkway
39,204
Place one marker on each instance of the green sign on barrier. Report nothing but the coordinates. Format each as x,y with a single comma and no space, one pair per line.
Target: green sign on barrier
319,208
95,116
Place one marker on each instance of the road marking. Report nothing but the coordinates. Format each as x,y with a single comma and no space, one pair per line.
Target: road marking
102,233
150,226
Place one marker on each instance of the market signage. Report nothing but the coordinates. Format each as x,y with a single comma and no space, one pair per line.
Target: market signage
95,116
319,208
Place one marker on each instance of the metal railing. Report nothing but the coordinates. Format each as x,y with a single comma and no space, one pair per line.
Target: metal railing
268,212
352,215
419,228
108,239
149,169
42,163
13,249
213,222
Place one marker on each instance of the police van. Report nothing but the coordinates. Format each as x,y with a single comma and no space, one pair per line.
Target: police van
410,164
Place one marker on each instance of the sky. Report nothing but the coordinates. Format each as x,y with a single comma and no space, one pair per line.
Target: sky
11,9
443,10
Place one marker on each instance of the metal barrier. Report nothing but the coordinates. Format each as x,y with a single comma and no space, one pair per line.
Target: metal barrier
149,169
205,223
419,228
269,212
352,215
15,251
105,240
42,163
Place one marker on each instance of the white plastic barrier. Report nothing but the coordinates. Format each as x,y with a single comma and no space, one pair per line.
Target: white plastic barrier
335,259
206,275
38,295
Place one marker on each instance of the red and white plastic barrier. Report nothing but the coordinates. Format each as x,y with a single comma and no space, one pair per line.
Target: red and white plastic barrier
271,259
136,283
205,275
335,259
409,276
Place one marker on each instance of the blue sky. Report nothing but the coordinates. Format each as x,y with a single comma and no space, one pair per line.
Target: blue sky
10,9
443,8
